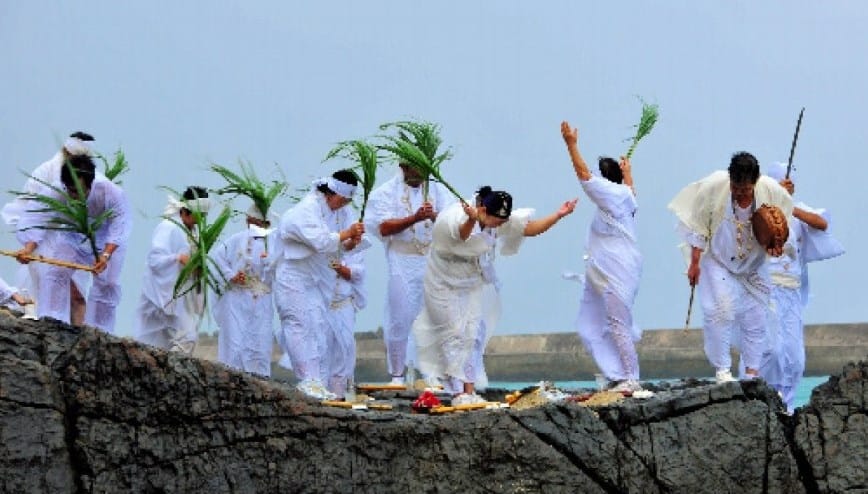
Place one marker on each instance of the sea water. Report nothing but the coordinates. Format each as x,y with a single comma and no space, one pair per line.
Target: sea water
803,392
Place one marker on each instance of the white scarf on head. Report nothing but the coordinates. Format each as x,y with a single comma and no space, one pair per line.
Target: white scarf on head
174,205
342,189
76,146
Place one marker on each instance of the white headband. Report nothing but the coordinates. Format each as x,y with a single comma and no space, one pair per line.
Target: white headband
202,204
340,188
76,146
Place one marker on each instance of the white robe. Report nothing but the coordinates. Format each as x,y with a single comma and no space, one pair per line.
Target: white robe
454,312
339,344
406,253
733,282
46,173
53,288
304,283
783,361
245,313
161,320
613,267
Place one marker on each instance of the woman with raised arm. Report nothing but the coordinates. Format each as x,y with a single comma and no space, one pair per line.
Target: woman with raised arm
460,304
613,265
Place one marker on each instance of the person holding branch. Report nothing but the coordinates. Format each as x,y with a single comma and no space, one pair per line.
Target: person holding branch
613,266
458,313
82,219
311,237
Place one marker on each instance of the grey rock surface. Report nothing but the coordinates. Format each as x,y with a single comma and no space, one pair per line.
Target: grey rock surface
82,411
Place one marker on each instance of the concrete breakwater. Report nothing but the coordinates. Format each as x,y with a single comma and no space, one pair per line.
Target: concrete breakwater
665,353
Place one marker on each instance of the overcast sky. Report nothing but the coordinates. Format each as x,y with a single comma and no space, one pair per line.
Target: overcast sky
178,85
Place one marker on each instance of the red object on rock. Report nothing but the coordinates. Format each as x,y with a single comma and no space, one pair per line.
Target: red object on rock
426,400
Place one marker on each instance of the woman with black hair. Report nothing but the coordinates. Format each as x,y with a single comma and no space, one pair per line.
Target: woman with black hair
313,234
461,304
56,286
161,319
613,265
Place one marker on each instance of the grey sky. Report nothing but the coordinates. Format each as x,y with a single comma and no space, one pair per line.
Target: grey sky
180,84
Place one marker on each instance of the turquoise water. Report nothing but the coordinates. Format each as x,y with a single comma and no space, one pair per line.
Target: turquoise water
803,393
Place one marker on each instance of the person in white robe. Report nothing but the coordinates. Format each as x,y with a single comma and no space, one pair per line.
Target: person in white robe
810,240
161,319
55,282
78,143
312,234
714,217
455,313
613,266
244,312
339,352
400,216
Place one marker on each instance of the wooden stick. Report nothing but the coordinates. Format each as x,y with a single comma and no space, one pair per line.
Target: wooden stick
689,307
795,138
381,387
48,260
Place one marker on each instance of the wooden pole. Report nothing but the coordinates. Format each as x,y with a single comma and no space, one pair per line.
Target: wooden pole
48,260
689,307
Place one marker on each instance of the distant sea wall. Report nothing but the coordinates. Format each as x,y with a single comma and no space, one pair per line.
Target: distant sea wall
665,353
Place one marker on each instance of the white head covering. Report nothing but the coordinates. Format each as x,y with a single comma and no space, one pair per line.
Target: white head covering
202,204
76,146
778,171
255,213
342,189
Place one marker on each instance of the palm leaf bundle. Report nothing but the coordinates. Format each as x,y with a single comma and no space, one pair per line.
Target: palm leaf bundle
366,158
201,272
650,113
418,145
247,183
117,168
65,213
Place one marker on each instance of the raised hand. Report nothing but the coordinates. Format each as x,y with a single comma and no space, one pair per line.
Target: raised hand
570,134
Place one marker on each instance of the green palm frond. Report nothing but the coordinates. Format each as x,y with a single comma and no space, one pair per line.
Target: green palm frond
650,113
417,144
366,158
65,213
247,183
201,272
116,169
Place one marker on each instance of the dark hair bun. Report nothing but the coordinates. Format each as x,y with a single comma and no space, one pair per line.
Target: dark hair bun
483,191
